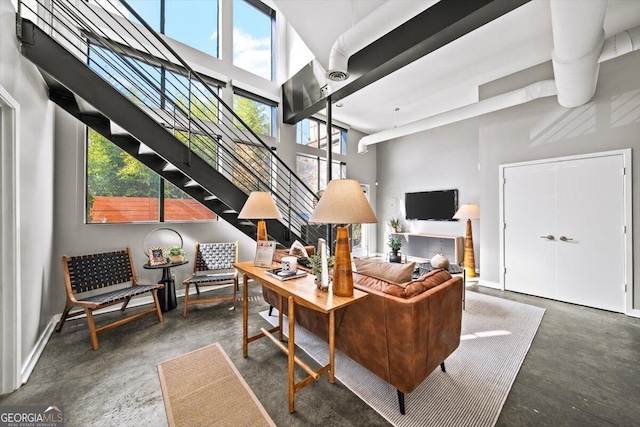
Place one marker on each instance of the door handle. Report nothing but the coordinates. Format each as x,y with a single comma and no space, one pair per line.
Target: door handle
548,237
564,239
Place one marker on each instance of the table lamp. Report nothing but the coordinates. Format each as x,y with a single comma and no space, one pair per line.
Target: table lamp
468,212
260,206
343,203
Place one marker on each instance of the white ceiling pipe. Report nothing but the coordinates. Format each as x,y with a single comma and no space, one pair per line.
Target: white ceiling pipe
578,38
620,44
381,21
536,90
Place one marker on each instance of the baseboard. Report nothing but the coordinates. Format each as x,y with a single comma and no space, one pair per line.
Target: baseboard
35,354
488,284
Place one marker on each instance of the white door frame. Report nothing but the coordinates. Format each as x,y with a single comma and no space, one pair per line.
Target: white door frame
628,217
10,329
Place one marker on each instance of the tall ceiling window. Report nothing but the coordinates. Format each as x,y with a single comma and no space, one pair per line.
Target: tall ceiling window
312,170
313,133
194,23
253,31
258,115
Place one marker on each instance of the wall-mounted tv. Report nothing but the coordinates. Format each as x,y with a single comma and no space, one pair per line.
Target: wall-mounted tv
431,205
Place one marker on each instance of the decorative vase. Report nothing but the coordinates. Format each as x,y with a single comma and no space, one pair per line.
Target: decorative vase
394,257
318,282
176,258
440,261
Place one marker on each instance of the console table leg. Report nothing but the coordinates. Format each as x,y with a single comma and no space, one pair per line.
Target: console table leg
245,315
292,349
332,333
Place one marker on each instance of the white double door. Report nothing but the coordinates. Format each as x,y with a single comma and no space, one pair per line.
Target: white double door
564,231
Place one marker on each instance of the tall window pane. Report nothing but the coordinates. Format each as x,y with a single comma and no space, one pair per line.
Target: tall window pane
257,115
119,188
203,104
194,23
307,170
252,170
148,10
141,85
307,132
252,39
179,206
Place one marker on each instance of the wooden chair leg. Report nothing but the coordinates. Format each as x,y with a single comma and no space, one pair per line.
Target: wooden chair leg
126,301
92,329
157,303
63,318
442,367
186,299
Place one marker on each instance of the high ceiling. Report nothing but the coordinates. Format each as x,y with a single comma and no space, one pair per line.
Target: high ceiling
447,78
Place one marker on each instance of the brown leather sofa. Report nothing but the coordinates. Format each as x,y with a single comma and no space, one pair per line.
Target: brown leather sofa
400,332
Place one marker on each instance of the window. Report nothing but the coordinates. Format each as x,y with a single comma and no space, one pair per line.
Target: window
313,133
258,115
253,24
120,189
312,171
203,104
194,23
251,168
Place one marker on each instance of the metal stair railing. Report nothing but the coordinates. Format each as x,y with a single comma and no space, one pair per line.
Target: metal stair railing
138,62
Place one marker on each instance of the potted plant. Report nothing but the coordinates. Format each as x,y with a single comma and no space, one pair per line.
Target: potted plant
176,253
394,223
395,243
316,266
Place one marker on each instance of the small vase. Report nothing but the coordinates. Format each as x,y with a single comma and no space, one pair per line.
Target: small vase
318,281
177,258
394,257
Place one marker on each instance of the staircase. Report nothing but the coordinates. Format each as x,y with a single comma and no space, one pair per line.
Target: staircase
124,100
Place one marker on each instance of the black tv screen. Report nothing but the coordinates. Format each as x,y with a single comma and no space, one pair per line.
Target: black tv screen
431,205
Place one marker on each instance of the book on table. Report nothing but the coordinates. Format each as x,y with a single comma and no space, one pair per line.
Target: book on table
280,274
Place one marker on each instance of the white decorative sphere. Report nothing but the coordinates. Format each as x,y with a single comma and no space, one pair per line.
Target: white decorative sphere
440,261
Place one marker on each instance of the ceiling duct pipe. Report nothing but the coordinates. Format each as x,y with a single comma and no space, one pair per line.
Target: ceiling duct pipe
620,44
578,38
381,21
523,95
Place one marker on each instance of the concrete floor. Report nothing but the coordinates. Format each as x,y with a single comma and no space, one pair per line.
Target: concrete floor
583,369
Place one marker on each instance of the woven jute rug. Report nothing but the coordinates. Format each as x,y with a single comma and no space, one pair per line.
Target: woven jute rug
496,336
204,388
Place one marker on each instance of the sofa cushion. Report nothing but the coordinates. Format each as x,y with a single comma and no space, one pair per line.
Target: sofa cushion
402,290
388,271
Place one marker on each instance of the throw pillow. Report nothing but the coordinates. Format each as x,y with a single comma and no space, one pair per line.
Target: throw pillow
430,280
298,249
391,272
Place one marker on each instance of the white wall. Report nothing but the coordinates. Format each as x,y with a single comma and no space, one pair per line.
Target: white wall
24,83
448,157
439,159
543,129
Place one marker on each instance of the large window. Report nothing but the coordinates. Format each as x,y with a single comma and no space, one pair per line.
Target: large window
313,171
253,24
258,115
121,189
192,22
313,133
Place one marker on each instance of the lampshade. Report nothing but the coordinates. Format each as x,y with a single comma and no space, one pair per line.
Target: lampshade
260,205
468,212
343,202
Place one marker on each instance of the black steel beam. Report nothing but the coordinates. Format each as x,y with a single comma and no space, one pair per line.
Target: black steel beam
435,27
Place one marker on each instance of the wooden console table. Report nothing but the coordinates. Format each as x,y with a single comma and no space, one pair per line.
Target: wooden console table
302,291
451,246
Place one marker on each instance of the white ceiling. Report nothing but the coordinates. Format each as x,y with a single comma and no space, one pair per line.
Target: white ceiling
447,78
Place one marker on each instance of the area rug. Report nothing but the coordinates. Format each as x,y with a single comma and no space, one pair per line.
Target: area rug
496,336
204,388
